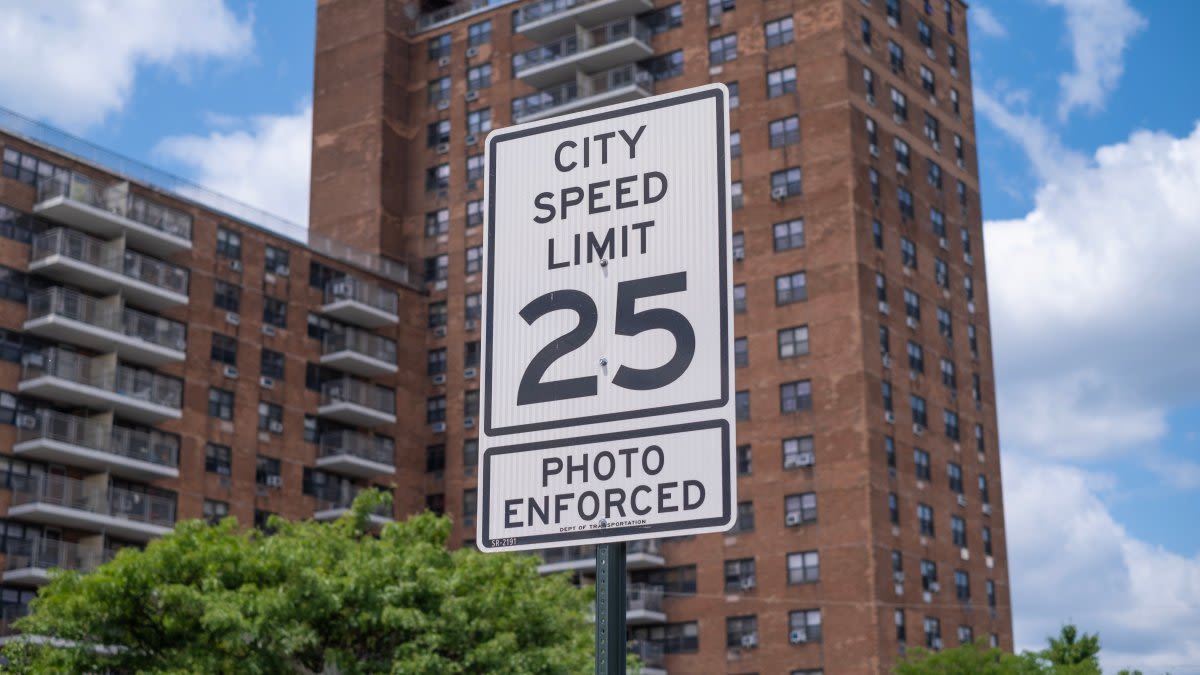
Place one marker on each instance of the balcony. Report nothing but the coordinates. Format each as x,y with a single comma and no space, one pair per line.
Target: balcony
60,438
336,502
111,211
363,303
107,268
359,352
643,605
357,403
91,505
651,656
106,325
589,50
624,83
103,384
29,561
640,554
352,453
541,21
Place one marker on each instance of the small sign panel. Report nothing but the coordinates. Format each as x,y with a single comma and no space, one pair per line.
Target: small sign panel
607,374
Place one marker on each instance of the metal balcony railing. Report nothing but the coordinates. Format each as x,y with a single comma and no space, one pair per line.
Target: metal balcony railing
540,10
359,392
146,446
579,42
584,87
8,615
643,597
366,292
116,198
649,653
47,554
337,497
110,257
361,342
100,499
136,383
131,323
588,551
357,444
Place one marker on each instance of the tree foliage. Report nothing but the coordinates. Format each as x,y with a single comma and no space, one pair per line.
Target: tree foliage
310,598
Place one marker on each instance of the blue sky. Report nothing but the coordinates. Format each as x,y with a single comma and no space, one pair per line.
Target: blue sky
1087,115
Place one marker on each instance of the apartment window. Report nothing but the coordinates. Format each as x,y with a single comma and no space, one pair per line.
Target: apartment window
937,221
271,364
784,131
958,150
899,106
735,194
873,179
791,288
958,531
969,289
904,200
471,351
954,103
972,341
437,177
965,635
948,378
722,49
912,305
932,129
270,417
933,633
804,625
472,307
925,519
664,19
437,314
793,342
945,326
929,575
893,509
435,503
901,630
479,122
215,511
224,349
987,540
437,268
983,490
470,452
976,388
666,66
275,312
869,85
961,188
435,361
990,588
227,296
916,357
745,517
437,222
439,90
439,47
479,33
437,133
886,388
795,396
918,411
315,376
739,575
908,252
14,346
674,638
744,460
927,81
735,99
275,261
979,443
924,33
741,352
470,507
903,158
267,471
800,509
872,136
893,11
742,405
780,32
889,450
962,586
739,298
741,631
29,169
17,226
311,429
735,144
795,448
934,175
865,26
885,347
435,409
877,234
474,168
739,246
471,403
786,182
780,82
896,56
435,458
479,77
717,7
474,213
952,56
675,581
218,459
951,421
804,567
474,259
789,234
320,275
921,463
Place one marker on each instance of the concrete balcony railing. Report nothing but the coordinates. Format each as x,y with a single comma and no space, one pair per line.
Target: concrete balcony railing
643,604
336,501
106,325
357,402
59,438
354,453
107,267
358,352
102,384
639,554
92,505
540,21
623,83
111,210
364,303
29,561
590,50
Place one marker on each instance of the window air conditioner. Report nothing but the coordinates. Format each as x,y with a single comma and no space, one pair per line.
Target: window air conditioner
778,194
472,52
897,118
440,378
883,307
971,307
796,637
275,481
889,416
235,265
791,462
934,587
472,95
901,169
26,421
791,519
873,149
439,427
444,61
266,382
987,509
472,139
281,271
439,331
739,255
930,53
443,148
268,330
714,19
962,499
805,459
748,583
887,360
910,321
891,21
469,423
943,243
470,324
232,318
918,428
937,643
443,104
871,98
898,576
230,371
937,147
750,640
470,373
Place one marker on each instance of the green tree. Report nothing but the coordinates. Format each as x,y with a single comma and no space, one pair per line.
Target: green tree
968,659
310,598
1073,654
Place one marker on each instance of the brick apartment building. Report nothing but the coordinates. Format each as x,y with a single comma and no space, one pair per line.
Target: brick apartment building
868,459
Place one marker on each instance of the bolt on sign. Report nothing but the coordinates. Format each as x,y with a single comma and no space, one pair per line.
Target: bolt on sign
607,379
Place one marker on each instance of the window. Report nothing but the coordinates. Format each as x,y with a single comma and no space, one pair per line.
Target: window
479,77
435,458
471,403
961,188
718,7
735,194
312,430
908,252
990,588
437,314
804,567
29,169
437,222
972,341
987,540
436,503
872,136
439,90
17,226
666,66
927,81
744,460
275,261
315,376
474,259
479,33
921,462
886,388
227,296
965,635
742,405
954,103
791,288
916,357
945,326
793,342
804,625
979,442
873,179
275,312
471,351
952,57
780,32
266,471
780,82
470,503
958,150
889,450
472,309
218,459
929,575
958,531
794,448
741,631
722,49
877,234
903,158
14,345
925,519
664,19
896,56
270,417
912,305
785,183
471,452
904,200
439,47
893,509
962,586
214,511
869,85
735,99
745,517
674,581
435,362
739,575
901,630
795,396
437,268
437,133
437,177
673,638
741,352
272,363
899,106
789,234
735,144
474,213
884,342
893,11
739,298
474,169
918,411
865,25
951,420
976,389
435,409
941,273
924,33
983,490
969,289
934,176
739,246
933,633
784,131
800,509
224,349
932,130
479,122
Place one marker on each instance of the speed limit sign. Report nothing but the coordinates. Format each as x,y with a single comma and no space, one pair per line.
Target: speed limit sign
607,380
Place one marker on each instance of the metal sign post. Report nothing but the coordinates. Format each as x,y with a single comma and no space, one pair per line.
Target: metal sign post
610,609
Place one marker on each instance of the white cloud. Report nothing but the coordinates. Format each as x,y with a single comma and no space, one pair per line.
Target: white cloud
1072,562
987,23
73,62
1099,31
262,161
1041,145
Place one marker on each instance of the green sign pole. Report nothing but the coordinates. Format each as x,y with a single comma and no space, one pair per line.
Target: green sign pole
610,609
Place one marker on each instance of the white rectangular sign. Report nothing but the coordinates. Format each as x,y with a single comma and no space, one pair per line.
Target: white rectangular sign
607,398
